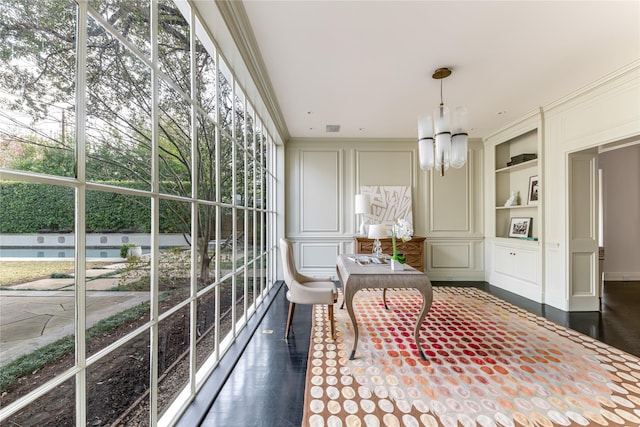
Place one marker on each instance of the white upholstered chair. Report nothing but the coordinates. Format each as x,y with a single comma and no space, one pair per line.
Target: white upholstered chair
304,289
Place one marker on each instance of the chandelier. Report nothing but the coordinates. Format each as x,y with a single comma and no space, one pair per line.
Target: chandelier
448,130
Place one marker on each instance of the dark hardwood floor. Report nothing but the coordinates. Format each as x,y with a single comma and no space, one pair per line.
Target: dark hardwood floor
261,380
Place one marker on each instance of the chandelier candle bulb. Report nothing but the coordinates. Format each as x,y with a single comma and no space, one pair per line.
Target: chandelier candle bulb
459,138
425,142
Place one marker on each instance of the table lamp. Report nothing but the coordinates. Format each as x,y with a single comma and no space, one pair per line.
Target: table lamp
377,232
363,204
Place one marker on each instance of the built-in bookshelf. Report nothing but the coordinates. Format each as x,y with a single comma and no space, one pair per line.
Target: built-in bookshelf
516,178
515,259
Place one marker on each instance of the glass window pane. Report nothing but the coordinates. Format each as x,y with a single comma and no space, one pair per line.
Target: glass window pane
225,93
118,125
174,265
226,169
226,307
261,275
38,334
206,245
173,356
37,86
239,113
207,159
55,408
240,175
117,381
174,141
109,212
251,217
174,44
206,76
118,292
130,17
251,285
205,327
240,296
226,241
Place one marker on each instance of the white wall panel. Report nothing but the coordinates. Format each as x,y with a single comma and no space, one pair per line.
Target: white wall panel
455,259
450,201
587,121
582,201
318,255
450,255
320,191
384,167
582,266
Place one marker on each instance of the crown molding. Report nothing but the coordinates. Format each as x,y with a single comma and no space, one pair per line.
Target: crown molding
237,21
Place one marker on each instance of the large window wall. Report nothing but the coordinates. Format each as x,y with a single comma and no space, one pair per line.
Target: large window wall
120,122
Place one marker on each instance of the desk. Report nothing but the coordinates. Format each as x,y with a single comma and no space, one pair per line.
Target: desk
355,277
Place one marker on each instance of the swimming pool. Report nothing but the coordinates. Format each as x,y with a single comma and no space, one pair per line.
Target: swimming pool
63,253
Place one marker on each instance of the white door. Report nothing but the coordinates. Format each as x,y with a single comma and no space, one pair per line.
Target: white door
583,231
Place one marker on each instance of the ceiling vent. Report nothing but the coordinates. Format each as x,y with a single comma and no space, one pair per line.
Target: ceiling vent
333,128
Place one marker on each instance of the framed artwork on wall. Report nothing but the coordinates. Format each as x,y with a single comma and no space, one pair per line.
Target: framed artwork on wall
520,227
532,198
388,204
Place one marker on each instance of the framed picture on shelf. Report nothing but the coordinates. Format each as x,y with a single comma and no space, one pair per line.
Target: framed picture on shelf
520,227
532,198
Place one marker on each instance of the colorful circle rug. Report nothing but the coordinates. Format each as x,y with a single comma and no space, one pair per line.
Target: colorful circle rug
489,363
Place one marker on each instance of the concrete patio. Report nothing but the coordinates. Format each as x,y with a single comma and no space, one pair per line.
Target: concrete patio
37,313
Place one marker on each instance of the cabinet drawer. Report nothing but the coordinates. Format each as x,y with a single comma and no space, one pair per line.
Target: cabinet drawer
413,250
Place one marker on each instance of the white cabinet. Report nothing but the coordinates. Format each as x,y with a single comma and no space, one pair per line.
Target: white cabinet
519,263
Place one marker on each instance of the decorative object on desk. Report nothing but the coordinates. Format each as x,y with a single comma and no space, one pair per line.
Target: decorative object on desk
532,363
402,229
362,207
377,232
532,198
513,200
450,134
387,204
520,227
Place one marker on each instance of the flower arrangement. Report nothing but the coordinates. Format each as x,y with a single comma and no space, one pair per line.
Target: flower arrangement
401,229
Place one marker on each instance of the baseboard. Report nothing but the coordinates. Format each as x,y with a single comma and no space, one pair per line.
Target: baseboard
615,276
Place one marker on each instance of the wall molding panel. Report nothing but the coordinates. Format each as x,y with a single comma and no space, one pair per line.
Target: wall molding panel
320,191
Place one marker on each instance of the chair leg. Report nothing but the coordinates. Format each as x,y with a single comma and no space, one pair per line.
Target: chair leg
292,308
331,322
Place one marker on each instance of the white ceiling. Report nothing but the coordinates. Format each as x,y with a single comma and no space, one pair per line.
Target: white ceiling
367,65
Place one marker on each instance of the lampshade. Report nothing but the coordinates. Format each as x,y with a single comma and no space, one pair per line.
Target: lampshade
363,203
377,231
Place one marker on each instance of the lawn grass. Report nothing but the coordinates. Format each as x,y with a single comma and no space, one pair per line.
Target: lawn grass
14,272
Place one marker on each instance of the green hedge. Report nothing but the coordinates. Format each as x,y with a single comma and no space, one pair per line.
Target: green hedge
29,208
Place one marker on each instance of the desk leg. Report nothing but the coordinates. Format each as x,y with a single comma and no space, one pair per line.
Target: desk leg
427,299
348,299
343,287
